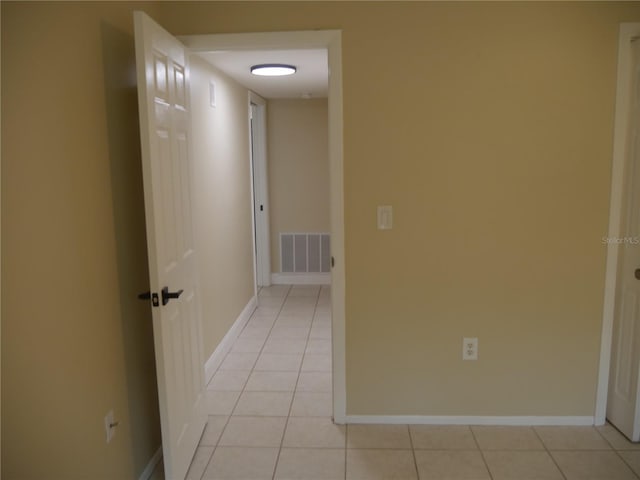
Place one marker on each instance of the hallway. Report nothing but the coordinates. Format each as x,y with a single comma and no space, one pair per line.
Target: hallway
279,367
278,373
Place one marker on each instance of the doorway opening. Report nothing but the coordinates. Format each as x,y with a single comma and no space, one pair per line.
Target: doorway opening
330,42
169,119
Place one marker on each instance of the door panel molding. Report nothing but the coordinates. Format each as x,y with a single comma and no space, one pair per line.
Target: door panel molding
165,129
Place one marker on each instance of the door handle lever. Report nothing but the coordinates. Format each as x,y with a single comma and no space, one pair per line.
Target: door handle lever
167,295
637,273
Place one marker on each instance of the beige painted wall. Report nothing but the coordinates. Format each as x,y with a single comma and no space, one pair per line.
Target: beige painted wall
76,342
222,200
118,57
298,167
489,131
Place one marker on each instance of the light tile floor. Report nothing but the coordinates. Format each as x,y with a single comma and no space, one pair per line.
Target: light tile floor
270,418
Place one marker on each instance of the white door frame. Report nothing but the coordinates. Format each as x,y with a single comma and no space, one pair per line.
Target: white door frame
628,31
331,40
260,190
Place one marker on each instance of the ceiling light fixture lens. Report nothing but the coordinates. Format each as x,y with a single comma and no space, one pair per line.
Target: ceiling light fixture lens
273,70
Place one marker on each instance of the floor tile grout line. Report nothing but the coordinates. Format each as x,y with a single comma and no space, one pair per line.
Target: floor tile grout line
217,442
475,439
572,450
413,452
325,447
617,451
401,449
226,423
244,389
626,463
295,387
252,370
245,383
637,474
205,467
546,449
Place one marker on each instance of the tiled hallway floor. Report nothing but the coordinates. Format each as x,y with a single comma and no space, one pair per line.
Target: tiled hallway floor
270,418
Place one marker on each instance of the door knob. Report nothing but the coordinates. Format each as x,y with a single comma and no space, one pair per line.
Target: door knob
637,273
167,295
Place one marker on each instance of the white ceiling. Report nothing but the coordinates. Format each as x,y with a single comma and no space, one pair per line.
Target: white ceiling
311,76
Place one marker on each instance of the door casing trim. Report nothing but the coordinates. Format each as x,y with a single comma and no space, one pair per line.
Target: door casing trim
628,31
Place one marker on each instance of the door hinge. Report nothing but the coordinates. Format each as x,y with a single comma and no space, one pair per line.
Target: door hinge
333,262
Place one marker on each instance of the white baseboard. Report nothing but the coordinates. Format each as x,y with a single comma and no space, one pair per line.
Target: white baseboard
301,278
151,466
214,361
470,420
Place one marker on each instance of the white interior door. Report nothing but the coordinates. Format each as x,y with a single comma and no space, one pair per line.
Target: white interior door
163,95
622,405
258,118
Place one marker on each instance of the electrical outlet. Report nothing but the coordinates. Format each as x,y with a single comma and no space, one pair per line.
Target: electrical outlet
385,217
470,348
110,425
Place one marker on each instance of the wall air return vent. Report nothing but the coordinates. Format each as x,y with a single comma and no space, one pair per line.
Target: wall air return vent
304,253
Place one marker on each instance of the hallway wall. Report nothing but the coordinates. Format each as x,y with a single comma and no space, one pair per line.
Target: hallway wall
222,199
298,157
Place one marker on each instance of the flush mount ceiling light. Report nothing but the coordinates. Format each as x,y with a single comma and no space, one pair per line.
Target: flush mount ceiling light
273,70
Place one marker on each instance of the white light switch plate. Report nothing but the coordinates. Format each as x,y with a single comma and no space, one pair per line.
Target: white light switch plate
385,217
